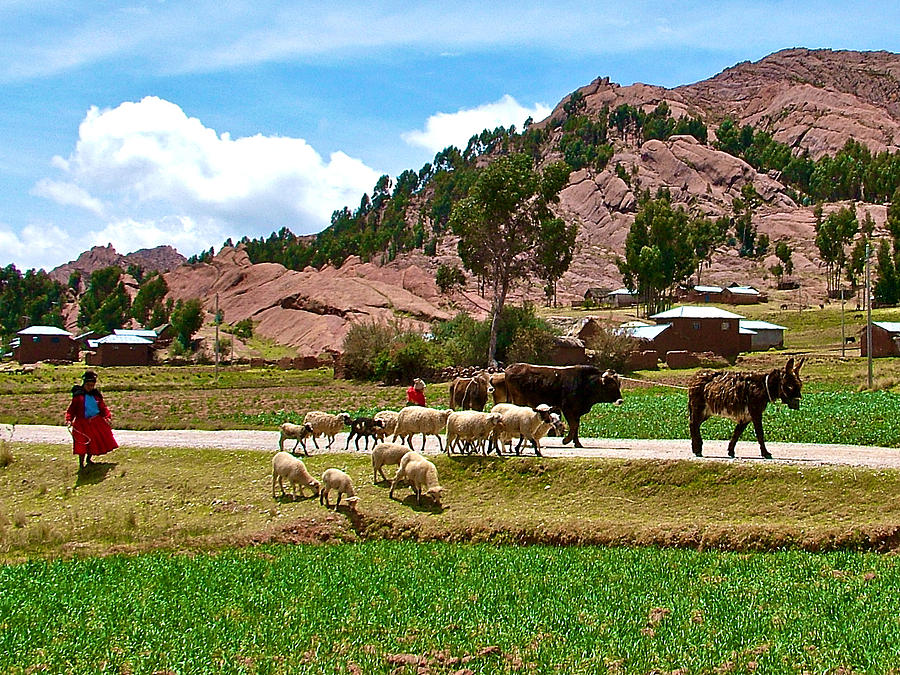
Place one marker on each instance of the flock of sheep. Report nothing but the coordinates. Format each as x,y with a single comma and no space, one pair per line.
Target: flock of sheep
466,431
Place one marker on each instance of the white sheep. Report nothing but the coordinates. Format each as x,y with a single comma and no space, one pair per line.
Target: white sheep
471,426
525,423
335,479
300,432
389,418
325,424
415,419
285,465
421,474
386,453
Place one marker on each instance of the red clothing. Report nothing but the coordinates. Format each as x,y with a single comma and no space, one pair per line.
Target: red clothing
415,396
90,436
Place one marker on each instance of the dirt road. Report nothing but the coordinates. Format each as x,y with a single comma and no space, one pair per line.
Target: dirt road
267,441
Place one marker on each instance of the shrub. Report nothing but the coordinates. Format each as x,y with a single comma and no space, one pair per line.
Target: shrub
449,277
243,329
611,349
391,352
521,335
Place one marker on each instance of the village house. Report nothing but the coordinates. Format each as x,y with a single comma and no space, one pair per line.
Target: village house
120,350
44,343
700,329
763,335
885,339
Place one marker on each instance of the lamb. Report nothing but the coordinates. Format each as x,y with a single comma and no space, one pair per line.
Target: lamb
421,475
285,465
325,424
300,432
525,423
473,427
363,427
335,479
389,419
415,419
386,453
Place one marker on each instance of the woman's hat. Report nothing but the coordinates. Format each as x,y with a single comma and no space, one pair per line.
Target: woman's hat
418,383
89,376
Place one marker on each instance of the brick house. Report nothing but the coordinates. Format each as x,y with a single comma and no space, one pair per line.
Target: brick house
120,350
701,329
44,343
885,339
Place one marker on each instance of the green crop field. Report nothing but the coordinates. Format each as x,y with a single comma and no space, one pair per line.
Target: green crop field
387,607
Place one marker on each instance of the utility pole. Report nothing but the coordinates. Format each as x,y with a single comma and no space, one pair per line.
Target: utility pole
868,315
843,338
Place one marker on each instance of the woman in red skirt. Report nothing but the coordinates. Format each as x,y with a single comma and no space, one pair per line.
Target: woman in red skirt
88,420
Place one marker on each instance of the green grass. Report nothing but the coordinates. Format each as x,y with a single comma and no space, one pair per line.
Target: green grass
140,499
864,418
370,607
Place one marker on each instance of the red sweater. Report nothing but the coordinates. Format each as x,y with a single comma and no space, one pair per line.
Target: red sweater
415,396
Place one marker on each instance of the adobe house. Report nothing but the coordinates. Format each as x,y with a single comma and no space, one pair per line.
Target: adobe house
705,294
621,297
885,339
764,335
44,343
567,351
701,329
742,295
120,350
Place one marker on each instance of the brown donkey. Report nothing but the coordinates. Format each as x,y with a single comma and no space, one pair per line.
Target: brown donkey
742,397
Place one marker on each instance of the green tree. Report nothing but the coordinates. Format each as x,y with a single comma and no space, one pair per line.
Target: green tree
28,299
500,222
833,236
186,319
555,255
658,253
744,207
704,236
449,277
105,304
149,299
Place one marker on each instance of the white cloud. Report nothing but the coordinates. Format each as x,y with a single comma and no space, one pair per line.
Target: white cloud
444,129
38,246
67,194
148,159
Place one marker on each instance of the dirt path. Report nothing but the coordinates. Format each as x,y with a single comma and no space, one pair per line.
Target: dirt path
267,441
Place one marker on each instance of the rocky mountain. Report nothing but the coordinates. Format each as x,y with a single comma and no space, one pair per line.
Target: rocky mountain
811,100
161,258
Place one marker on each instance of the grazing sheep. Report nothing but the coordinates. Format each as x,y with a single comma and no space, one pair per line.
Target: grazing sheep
285,465
472,427
389,418
386,453
325,424
525,423
415,419
335,479
300,432
421,475
363,427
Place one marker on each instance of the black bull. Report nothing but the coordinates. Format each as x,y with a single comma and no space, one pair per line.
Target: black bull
572,389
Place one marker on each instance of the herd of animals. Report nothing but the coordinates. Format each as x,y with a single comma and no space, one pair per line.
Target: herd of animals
529,401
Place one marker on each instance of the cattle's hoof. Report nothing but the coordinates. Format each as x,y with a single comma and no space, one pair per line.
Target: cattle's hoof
767,455
698,453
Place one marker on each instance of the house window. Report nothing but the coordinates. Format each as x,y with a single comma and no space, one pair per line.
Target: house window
696,325
54,340
36,338
725,325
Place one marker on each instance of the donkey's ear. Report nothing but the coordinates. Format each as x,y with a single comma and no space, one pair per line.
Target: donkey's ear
799,366
790,365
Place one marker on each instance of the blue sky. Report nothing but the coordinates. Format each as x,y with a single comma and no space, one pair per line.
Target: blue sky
184,123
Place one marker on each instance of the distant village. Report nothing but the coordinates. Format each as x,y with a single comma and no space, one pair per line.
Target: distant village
686,336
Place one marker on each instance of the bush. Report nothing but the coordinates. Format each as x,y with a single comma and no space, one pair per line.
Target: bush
243,329
611,349
391,352
521,336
